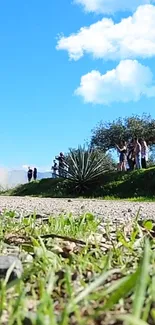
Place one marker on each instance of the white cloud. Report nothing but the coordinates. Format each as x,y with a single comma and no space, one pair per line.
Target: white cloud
128,82
111,6
133,37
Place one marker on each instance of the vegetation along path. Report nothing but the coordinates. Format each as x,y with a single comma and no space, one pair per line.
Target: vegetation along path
120,211
91,263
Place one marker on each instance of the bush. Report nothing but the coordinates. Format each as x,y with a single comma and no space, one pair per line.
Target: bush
86,167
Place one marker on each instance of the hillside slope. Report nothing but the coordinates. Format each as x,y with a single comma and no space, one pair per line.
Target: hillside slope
116,184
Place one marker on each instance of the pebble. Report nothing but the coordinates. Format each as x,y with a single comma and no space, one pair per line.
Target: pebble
6,262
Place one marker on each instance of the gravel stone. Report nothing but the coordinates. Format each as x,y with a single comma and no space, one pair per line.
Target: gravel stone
6,262
122,211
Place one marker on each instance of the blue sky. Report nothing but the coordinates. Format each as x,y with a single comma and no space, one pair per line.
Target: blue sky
45,105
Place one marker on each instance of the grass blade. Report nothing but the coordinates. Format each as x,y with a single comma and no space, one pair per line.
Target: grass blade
133,320
8,274
92,286
142,282
153,288
120,289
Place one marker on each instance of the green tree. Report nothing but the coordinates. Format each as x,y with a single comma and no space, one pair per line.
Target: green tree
106,135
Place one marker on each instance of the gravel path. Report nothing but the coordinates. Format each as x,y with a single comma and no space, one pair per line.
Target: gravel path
122,211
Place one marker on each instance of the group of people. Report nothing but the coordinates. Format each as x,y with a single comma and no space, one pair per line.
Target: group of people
32,174
60,168
132,155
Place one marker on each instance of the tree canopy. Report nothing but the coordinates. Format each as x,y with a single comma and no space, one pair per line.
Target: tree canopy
106,135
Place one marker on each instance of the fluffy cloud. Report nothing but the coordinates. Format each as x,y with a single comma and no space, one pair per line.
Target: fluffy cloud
111,6
128,82
133,37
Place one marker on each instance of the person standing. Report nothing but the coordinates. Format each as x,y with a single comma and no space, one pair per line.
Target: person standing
122,149
130,155
54,169
61,160
144,153
35,174
29,174
138,153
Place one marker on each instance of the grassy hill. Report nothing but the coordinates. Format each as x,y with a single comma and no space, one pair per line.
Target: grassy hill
134,184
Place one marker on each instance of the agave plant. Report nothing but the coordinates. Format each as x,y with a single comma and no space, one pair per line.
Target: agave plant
85,167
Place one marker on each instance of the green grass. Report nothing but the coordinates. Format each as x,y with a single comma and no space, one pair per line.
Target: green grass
137,186
43,188
92,275
130,199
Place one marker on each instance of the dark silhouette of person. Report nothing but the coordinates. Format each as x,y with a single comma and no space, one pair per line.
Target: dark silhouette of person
122,157
144,154
61,160
54,169
29,174
131,155
35,174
